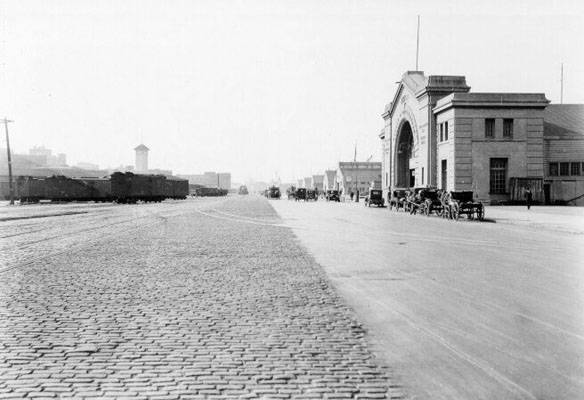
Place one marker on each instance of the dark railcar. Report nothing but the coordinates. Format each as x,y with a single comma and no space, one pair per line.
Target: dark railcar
63,188
129,187
100,189
210,192
31,189
176,188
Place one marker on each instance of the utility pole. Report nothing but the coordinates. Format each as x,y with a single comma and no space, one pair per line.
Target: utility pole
562,85
10,184
418,43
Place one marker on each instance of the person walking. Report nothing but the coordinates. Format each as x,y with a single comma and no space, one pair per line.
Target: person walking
528,196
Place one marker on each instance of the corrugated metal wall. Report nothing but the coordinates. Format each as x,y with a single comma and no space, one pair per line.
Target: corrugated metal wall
517,188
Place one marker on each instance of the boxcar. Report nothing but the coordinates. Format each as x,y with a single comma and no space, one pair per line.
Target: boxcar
176,188
100,189
129,187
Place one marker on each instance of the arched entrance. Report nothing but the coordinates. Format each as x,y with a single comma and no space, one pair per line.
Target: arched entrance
405,144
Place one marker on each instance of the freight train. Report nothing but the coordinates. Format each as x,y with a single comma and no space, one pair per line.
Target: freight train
119,187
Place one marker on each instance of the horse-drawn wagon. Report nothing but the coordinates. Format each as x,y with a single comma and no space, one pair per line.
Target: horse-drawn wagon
457,203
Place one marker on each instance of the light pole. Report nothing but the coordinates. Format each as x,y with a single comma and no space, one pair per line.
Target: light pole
10,185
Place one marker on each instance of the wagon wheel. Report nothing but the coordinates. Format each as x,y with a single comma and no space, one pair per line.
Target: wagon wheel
455,212
480,212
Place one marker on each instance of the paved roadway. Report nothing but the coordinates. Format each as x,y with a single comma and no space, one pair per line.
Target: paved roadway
466,310
196,299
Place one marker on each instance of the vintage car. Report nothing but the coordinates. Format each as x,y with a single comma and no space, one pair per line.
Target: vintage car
375,197
311,194
273,192
397,199
332,195
300,194
243,190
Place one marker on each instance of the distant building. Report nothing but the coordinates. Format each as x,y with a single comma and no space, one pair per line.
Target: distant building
224,179
317,182
50,160
308,182
40,161
210,179
300,183
329,180
141,158
86,165
357,176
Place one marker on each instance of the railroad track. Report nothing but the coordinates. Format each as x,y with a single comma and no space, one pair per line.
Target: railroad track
136,222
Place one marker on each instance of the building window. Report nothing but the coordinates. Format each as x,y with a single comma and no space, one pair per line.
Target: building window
575,168
564,169
446,131
508,128
490,127
553,169
444,174
441,132
498,174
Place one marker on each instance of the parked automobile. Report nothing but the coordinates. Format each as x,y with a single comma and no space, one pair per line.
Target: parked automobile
332,195
375,197
300,194
311,194
243,190
273,192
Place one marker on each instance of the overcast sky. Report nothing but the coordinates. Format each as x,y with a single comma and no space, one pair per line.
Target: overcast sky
258,88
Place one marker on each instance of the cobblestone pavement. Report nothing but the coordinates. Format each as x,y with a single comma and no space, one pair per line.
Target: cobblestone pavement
200,299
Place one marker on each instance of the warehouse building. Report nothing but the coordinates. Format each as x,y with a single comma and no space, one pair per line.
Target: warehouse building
357,177
317,182
437,133
329,181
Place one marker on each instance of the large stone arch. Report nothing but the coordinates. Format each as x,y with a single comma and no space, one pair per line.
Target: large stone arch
404,152
405,149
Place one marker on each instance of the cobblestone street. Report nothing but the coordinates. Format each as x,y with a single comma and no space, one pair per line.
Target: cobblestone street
180,300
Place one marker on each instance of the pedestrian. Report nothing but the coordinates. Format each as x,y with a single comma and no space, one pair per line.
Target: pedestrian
352,195
528,196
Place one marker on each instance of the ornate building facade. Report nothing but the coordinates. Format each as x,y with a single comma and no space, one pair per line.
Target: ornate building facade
439,134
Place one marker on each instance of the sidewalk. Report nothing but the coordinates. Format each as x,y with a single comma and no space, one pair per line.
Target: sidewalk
567,219
556,218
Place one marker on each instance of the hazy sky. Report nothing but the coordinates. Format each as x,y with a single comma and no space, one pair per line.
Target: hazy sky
258,88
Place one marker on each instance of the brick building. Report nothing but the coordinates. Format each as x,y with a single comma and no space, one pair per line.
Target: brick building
438,133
